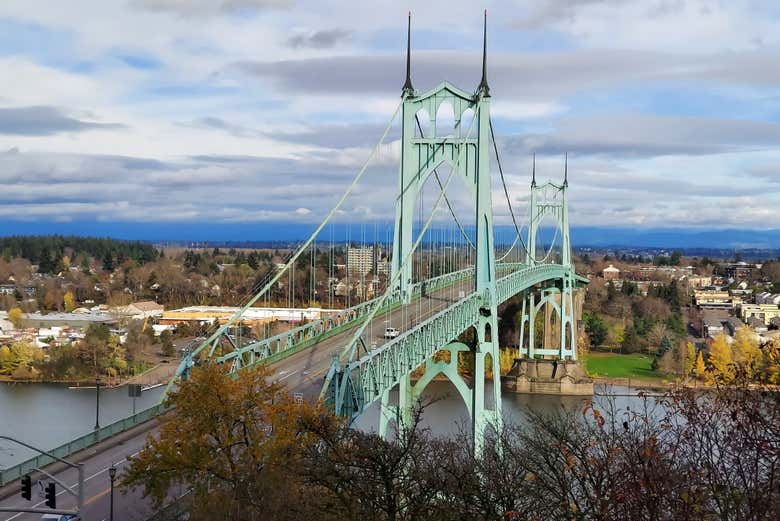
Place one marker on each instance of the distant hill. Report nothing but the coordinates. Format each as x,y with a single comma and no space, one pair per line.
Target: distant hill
48,250
182,233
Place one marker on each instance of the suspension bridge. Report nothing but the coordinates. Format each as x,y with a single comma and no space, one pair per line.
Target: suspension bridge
431,338
440,298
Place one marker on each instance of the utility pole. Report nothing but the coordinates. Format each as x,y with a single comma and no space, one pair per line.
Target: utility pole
79,495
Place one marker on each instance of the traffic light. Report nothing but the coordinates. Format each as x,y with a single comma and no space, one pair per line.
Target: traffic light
51,496
26,487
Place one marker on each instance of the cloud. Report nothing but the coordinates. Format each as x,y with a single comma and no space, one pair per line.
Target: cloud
643,135
247,110
548,12
208,7
324,39
45,121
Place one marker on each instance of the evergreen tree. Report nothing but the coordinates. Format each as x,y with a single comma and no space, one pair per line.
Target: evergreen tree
108,262
631,343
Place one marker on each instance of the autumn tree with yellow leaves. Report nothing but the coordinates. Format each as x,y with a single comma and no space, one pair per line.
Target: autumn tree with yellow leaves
69,301
690,358
701,369
721,360
748,356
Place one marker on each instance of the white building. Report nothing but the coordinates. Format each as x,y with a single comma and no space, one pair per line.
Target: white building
768,298
360,260
610,273
141,310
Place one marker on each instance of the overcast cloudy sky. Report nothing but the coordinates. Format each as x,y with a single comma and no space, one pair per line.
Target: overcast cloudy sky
242,111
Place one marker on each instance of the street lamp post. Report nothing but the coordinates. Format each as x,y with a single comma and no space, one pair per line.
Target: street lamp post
112,476
97,403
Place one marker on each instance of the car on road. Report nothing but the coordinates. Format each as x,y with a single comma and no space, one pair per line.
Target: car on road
57,517
391,332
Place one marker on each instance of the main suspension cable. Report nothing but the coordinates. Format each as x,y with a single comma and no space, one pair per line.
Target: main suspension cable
503,183
295,256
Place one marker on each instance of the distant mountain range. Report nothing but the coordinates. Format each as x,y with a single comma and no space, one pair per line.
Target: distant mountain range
183,233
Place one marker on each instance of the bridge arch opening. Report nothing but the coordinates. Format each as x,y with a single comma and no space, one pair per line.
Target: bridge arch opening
446,245
424,120
445,120
548,240
465,122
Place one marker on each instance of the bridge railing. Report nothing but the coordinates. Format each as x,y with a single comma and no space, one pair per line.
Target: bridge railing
527,276
362,381
82,442
291,341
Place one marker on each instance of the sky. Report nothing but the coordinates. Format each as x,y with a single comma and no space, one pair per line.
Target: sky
187,115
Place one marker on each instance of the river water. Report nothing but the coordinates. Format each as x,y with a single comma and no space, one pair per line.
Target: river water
48,415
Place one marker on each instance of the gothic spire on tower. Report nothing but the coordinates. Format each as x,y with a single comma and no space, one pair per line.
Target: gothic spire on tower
565,169
483,85
533,172
408,89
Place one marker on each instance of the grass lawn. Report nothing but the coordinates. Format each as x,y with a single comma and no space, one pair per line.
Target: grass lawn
621,366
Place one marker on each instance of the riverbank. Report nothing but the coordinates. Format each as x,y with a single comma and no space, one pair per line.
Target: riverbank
154,375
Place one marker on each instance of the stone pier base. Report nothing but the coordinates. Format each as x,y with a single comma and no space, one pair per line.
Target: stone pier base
533,376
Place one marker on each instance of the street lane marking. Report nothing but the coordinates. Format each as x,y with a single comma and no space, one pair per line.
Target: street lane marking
98,496
286,376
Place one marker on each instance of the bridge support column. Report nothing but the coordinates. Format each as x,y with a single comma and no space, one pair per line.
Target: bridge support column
483,417
386,413
523,321
406,400
568,317
531,321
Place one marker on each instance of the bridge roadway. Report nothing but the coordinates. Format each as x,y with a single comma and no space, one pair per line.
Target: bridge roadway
303,372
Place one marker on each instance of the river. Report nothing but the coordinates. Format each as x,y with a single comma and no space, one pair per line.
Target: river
48,415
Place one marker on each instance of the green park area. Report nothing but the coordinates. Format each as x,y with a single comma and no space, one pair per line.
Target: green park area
614,365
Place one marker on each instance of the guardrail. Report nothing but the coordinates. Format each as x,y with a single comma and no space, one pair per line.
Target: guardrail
290,342
87,440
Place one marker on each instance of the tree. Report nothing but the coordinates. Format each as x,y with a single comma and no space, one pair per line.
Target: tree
69,301
95,349
690,358
631,342
720,359
108,262
596,329
235,442
657,334
166,339
747,353
16,359
701,370
16,317
366,477
675,259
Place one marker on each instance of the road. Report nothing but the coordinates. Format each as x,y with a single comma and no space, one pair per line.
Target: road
303,372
